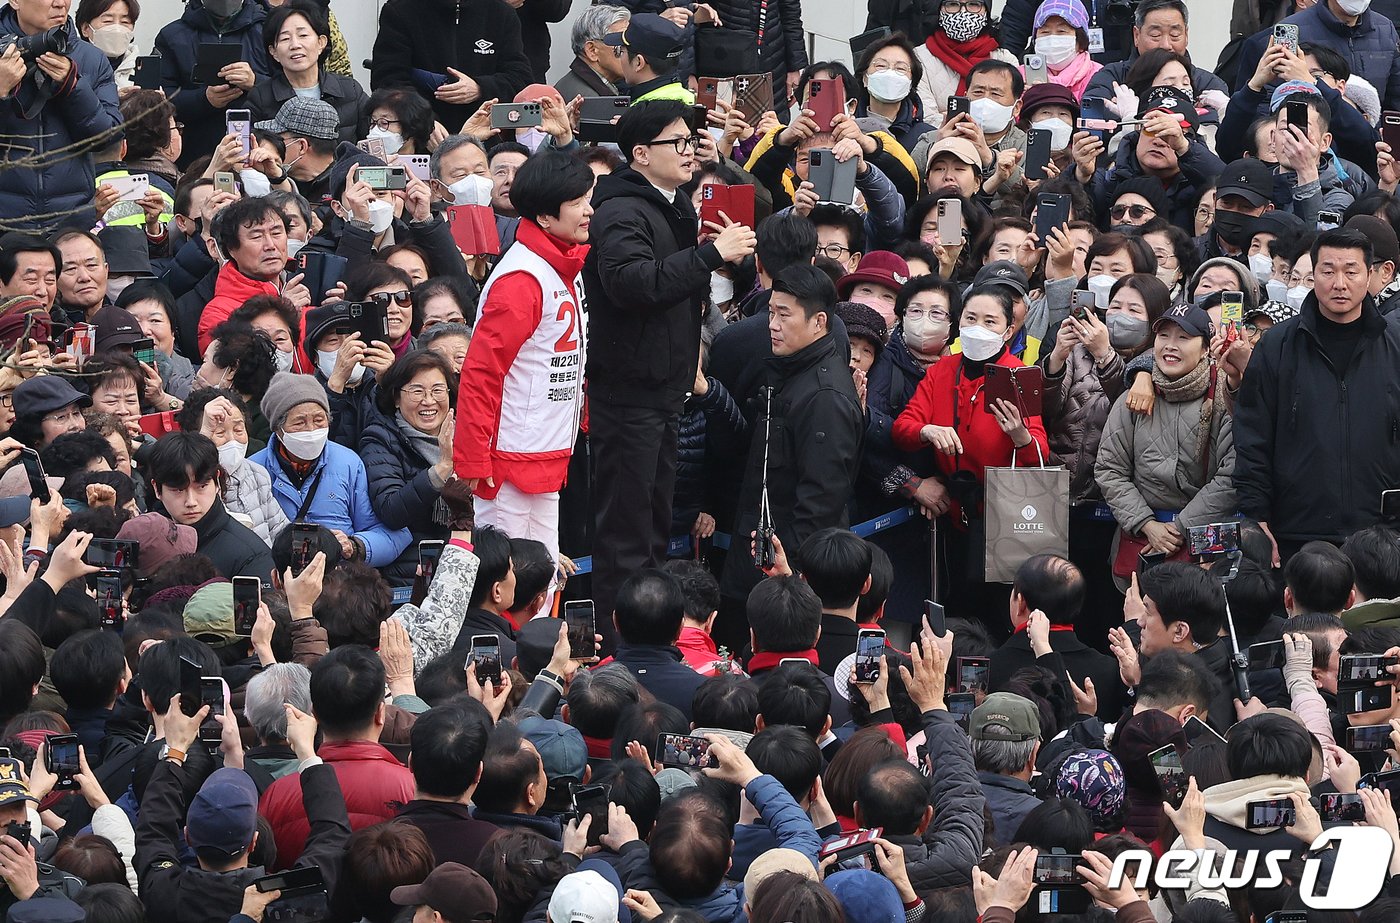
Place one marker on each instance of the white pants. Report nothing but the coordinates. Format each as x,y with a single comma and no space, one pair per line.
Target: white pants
522,515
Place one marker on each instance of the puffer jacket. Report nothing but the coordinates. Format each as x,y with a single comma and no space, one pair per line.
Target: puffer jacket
402,492
1148,463
782,48
178,46
1326,193
249,499
1076,405
84,106
951,845
711,427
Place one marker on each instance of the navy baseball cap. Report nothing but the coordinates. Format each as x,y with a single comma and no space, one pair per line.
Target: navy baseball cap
1189,317
224,815
650,36
560,746
43,394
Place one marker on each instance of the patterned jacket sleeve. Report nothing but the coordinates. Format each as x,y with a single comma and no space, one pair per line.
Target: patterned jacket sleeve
433,626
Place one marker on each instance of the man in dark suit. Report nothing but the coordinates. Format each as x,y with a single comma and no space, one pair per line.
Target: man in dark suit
1045,600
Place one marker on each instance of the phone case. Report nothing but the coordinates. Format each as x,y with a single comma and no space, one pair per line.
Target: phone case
131,188
950,221
826,99
147,72
474,229
834,182
516,115
753,95
735,201
1037,153
1390,130
1022,387
1052,210
706,92
213,57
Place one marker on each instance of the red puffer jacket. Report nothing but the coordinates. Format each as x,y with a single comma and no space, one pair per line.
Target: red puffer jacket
376,788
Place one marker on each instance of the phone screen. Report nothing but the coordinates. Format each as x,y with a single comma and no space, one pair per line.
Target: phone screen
61,755
1337,806
870,645
1055,869
429,552
1368,738
486,654
1266,655
109,600
1277,812
305,544
684,751
960,706
974,673
579,617
1198,732
247,594
211,693
1166,762
114,553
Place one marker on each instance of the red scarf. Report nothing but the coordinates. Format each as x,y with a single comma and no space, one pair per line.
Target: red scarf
599,748
763,660
961,56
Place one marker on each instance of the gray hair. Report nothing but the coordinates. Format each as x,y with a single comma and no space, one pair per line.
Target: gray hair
266,692
1148,7
448,145
1002,756
284,199
594,22
438,331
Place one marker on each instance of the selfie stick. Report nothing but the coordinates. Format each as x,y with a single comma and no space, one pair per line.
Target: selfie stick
1239,661
766,553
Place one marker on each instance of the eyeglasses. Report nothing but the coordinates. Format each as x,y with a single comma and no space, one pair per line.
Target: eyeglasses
382,124
416,393
403,299
921,313
1206,212
66,415
1136,212
681,144
901,68
953,6
7,400
834,251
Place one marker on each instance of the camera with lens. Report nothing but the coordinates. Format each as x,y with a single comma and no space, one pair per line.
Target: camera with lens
59,39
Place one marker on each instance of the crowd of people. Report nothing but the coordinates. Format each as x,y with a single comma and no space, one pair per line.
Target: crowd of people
575,484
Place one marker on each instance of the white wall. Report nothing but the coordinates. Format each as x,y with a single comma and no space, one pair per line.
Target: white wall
829,22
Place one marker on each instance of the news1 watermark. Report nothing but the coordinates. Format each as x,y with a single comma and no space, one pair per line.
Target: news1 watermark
1361,865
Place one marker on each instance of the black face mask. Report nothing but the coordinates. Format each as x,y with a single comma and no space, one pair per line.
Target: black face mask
1232,227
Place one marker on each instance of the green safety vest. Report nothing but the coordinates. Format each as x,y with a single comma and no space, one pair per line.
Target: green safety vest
668,91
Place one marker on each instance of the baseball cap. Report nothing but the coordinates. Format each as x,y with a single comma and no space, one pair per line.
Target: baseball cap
1071,11
1005,716
209,614
1291,88
115,327
1384,244
960,148
878,266
584,897
451,886
12,785
160,539
561,746
777,860
1003,272
224,815
1189,317
865,896
43,394
650,36
312,118
1276,311
1248,178
1174,101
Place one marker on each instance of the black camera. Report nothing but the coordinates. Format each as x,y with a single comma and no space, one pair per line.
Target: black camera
59,39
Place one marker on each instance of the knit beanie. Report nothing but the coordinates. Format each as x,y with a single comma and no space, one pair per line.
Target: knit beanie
289,389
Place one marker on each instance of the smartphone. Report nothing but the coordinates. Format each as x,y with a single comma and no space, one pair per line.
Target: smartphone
1361,668
937,619
582,626
108,584
1390,130
950,222
1150,559
417,164
144,350
598,117
293,879
737,203
212,57
1036,71
303,895
1275,812
683,751
834,181
1296,113
1286,34
247,596
1037,153
1266,655
858,845
370,319
384,178
1057,869
239,122
1213,541
189,686
591,800
116,553
957,105
21,832
224,182
211,693
78,342
1390,505
974,674
960,706
826,97
1341,807
516,115
1051,211
61,759
38,483
305,543
1326,220
429,552
870,646
486,654
147,72
1368,738
1166,762
1082,304
1199,733
130,188
1232,307
1372,698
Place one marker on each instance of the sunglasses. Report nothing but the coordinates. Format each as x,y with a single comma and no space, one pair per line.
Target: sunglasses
403,299
1136,212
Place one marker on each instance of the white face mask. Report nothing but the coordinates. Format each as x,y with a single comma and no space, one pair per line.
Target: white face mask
325,362
294,246
306,446
1297,295
255,183
116,285
1278,291
1101,286
381,215
980,344
1354,7
888,86
990,115
113,41
231,455
926,336
282,360
532,138
721,289
471,190
393,141
1059,132
1262,266
1058,50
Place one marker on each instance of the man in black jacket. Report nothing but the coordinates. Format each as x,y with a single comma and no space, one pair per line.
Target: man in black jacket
1327,374
648,616
806,455
457,55
449,744
646,278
